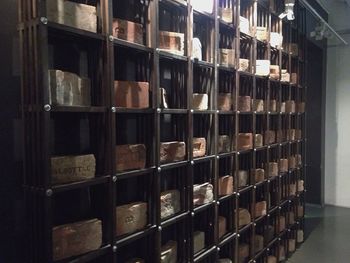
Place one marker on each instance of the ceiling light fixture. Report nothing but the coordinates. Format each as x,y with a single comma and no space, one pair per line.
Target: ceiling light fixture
288,10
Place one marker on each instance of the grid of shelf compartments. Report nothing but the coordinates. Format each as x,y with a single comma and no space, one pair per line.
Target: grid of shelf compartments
163,130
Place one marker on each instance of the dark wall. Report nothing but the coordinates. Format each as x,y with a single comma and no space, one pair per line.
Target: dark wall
11,202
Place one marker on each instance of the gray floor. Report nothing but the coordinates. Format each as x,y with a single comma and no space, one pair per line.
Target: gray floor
328,236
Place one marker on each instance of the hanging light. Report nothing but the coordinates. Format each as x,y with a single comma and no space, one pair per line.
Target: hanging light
288,10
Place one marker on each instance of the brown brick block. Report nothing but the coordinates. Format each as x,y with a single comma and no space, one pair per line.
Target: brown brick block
225,101
273,169
225,185
173,42
244,103
128,30
202,194
259,175
259,140
224,144
169,203
199,147
130,157
260,208
283,165
226,57
244,217
131,94
131,218
200,101
172,152
245,141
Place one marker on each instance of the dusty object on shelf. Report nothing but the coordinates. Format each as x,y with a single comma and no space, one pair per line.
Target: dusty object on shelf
196,49
169,203
271,259
283,165
72,14
285,76
260,209
136,260
273,169
244,103
300,211
301,185
276,40
168,253
224,101
290,106
274,72
200,101
301,107
273,105
222,226
226,57
282,107
203,5
224,144
244,25
68,89
243,252
172,151
269,233
259,175
244,217
67,169
282,223
299,159
242,178
261,33
258,105
262,67
75,239
281,253
269,137
131,218
294,78
198,241
258,243
291,245
128,30
225,184
259,140
163,98
199,147
243,64
300,236
244,141
130,157
292,189
291,135
293,49
291,218
131,94
202,194
173,42
292,162
226,14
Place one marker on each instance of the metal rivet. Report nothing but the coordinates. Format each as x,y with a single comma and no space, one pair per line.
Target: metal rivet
157,49
238,194
218,17
47,107
254,224
238,235
268,215
218,249
267,249
49,192
110,38
114,248
254,186
279,208
217,111
192,111
290,201
268,147
217,157
114,179
218,203
114,109
254,149
43,20
234,193
192,214
280,176
279,239
158,110
159,228
288,230
269,112
238,112
159,169
268,181
238,153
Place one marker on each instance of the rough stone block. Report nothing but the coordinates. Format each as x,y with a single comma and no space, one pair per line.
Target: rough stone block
202,194
224,144
258,243
244,217
283,165
226,57
244,103
128,31
260,209
226,14
173,42
258,105
130,157
200,101
243,64
131,94
169,203
273,169
259,140
245,141
131,218
242,178
300,236
225,101
225,185
259,175
172,151
199,147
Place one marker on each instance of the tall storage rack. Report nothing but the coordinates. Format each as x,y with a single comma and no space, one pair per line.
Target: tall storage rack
62,130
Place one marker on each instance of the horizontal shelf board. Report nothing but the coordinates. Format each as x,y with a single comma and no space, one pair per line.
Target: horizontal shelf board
204,159
201,208
245,112
260,148
245,151
262,77
227,69
171,56
135,236
245,36
134,110
77,109
204,111
68,30
174,3
260,218
246,74
260,184
245,228
226,239
223,112
174,111
174,219
204,253
245,189
273,209
130,174
272,178
228,154
223,198
88,257
134,46
79,185
174,165
262,43
229,26
203,64
202,14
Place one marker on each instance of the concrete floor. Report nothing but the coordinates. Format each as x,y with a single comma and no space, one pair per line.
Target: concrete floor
328,236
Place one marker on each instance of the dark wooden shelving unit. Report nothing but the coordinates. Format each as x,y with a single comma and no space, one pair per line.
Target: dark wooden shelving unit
62,130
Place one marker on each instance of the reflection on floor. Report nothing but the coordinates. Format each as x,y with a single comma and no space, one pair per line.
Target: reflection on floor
328,236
